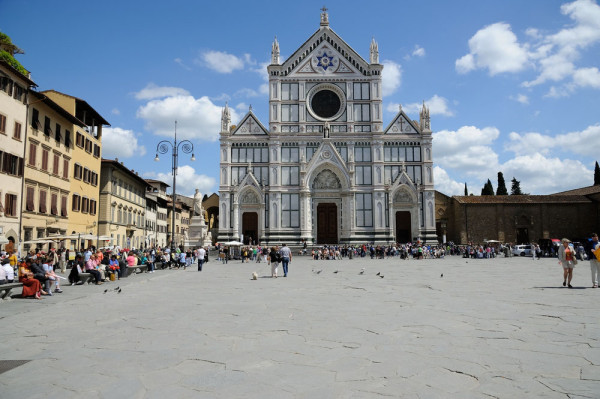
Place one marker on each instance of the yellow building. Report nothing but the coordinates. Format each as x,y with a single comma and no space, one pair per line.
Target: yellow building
85,160
122,205
48,159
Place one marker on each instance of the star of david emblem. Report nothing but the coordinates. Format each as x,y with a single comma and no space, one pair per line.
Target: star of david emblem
325,61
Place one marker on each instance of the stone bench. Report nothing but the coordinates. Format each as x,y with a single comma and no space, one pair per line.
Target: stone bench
135,269
5,289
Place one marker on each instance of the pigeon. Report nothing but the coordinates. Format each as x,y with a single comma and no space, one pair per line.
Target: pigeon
336,272
118,292
319,271
382,276
362,271
118,288
378,274
442,275
105,290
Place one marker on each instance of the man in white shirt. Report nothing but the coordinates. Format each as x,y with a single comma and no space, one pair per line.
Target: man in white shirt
201,255
286,258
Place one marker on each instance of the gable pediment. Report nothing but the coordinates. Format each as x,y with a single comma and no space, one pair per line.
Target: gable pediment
401,124
325,53
250,125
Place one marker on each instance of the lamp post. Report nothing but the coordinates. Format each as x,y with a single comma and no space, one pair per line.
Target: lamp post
162,148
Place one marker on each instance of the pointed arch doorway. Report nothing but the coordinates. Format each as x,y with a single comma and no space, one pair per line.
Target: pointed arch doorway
327,223
403,227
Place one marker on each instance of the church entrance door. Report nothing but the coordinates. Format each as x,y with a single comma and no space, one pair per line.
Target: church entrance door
250,227
327,223
403,227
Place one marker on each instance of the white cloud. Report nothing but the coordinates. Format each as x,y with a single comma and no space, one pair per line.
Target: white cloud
180,62
587,77
120,143
222,62
437,106
115,111
187,180
521,98
152,91
246,93
578,143
419,51
391,77
444,184
197,118
495,48
542,175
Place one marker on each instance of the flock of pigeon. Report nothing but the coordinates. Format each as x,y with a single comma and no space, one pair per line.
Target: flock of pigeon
362,271
118,289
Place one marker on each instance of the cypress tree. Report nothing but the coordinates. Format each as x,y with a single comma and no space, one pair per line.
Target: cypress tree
501,190
467,193
487,189
597,175
515,188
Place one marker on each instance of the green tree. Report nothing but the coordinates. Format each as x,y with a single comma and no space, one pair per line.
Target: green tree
8,50
597,175
515,188
501,190
487,189
466,191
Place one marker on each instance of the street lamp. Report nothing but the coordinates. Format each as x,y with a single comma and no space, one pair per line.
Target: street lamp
162,148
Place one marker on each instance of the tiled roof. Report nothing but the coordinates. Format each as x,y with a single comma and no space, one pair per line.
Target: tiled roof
581,191
521,199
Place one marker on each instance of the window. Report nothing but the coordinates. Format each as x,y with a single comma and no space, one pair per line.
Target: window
289,91
57,133
55,164
79,140
363,175
86,175
65,169
30,200
77,171
63,205
43,206
19,93
290,175
67,138
343,150
364,210
362,112
85,205
45,154
54,204
47,128
290,210
11,164
76,203
289,113
17,131
88,145
32,154
362,154
262,174
2,124
92,207
244,154
361,91
289,154
96,150
5,83
310,151
10,205
35,119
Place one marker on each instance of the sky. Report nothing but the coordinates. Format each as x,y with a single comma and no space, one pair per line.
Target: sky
513,86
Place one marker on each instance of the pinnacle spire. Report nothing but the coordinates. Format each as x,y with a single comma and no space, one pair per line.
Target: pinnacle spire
324,17
275,52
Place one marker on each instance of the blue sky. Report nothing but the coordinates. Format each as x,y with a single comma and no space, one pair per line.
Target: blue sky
512,86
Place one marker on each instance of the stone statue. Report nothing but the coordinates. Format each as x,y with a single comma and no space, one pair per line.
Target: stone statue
198,210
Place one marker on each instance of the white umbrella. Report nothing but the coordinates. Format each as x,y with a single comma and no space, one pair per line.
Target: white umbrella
105,238
233,243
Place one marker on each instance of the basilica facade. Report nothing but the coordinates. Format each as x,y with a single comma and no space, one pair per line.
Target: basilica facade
326,169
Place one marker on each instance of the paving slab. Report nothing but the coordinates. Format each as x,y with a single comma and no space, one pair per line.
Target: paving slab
497,328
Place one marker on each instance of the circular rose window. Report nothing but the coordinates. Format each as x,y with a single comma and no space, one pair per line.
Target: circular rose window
326,102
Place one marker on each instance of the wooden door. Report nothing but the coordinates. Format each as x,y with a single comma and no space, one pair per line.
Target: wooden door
250,227
327,224
403,227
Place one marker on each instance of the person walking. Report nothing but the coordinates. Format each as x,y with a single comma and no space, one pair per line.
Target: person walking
274,260
566,258
592,246
286,258
201,254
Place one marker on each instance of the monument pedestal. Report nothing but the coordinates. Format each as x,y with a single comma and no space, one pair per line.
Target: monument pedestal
198,234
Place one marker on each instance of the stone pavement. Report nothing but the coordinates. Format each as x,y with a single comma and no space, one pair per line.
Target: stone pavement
499,328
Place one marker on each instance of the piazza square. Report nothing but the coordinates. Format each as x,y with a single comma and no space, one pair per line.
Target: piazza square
502,328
